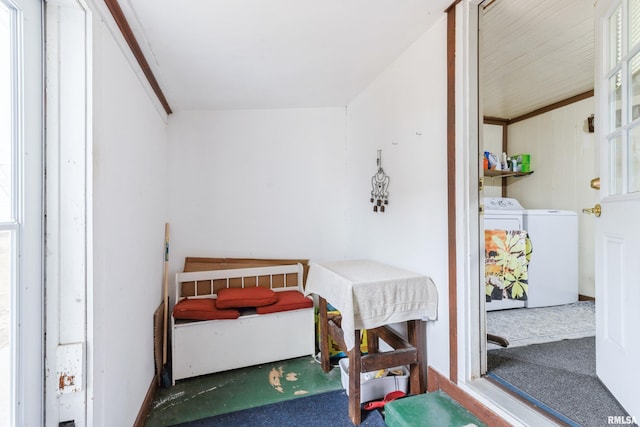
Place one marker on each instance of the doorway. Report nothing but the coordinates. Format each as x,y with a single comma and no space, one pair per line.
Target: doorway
551,126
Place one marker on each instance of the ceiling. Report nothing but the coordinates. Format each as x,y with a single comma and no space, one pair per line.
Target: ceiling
243,54
535,53
238,54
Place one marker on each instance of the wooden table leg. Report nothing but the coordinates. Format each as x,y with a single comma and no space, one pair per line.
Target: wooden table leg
417,333
355,366
324,335
373,342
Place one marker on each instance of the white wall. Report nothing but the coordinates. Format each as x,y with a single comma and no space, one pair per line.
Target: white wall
296,183
129,207
257,183
403,113
492,142
563,160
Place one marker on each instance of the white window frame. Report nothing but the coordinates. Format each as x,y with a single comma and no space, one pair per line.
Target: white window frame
27,358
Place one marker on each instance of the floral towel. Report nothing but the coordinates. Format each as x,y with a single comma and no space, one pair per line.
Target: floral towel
507,255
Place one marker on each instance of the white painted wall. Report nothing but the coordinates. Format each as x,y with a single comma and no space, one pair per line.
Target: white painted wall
492,142
403,113
296,183
563,161
257,183
129,211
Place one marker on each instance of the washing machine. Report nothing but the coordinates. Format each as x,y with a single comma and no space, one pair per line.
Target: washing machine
553,268
502,213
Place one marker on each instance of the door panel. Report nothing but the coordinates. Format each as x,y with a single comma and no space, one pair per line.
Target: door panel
616,298
617,232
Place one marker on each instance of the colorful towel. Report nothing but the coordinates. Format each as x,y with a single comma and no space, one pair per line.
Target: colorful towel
507,255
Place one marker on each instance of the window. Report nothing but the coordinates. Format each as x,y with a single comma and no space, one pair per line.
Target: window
8,205
21,315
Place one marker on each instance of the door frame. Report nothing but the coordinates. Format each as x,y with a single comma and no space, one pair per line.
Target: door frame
467,327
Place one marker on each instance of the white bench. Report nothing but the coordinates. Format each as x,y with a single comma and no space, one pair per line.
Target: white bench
208,346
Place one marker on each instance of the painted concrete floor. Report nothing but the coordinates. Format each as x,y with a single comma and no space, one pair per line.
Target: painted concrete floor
229,391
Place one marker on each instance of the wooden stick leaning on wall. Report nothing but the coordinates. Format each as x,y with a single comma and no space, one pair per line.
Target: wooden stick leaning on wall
165,378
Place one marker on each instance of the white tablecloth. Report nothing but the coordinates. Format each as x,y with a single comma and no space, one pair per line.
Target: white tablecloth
370,294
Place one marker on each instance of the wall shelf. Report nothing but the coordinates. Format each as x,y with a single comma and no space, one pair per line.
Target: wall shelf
505,174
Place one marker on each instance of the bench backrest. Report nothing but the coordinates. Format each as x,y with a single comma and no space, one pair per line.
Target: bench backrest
205,284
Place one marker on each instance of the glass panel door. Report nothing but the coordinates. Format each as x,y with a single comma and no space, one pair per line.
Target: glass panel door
623,71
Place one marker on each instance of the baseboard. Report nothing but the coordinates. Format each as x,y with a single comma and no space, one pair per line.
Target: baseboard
585,298
437,381
146,403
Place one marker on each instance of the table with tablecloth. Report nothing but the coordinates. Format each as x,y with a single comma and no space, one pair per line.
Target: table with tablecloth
371,296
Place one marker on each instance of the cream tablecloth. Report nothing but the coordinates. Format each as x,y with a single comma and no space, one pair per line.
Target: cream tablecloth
370,294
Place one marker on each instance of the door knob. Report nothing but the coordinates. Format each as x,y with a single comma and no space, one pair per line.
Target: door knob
595,183
596,210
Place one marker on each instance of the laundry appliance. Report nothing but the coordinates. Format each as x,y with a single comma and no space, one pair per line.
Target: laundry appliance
553,269
501,213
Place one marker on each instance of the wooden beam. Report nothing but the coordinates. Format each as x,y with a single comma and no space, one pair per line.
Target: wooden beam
374,361
127,33
451,193
391,337
564,102
495,121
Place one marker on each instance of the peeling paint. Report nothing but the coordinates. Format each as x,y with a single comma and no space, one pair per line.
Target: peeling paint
274,378
69,367
205,391
292,376
169,398
66,380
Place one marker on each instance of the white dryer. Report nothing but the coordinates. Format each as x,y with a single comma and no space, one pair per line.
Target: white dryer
553,269
502,213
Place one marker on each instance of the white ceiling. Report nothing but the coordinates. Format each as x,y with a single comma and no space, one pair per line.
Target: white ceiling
237,54
535,53
231,54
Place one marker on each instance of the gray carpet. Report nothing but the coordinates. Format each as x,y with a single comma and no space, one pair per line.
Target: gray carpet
525,326
561,375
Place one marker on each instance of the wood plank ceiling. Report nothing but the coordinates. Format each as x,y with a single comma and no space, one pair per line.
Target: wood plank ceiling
534,53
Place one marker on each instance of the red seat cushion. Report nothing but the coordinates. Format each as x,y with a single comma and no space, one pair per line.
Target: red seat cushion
202,309
245,297
287,300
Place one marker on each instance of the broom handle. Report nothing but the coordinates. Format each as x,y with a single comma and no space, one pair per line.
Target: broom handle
165,296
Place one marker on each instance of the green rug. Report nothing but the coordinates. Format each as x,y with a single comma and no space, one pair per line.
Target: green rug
239,389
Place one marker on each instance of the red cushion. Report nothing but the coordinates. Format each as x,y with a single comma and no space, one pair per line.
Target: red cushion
202,309
287,300
245,297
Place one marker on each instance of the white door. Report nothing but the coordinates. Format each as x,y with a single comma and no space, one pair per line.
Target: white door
617,231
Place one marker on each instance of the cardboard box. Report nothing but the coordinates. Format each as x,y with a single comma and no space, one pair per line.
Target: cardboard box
372,388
